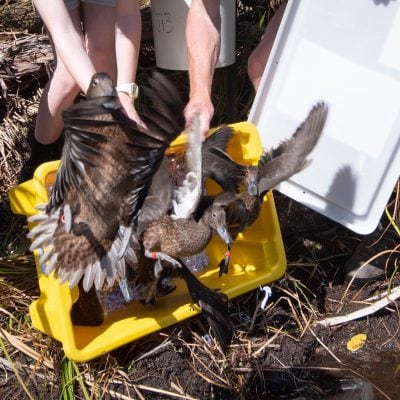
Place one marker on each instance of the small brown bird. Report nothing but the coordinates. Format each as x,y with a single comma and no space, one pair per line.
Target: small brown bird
167,238
276,165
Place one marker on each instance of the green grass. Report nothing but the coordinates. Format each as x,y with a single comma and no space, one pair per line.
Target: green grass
71,378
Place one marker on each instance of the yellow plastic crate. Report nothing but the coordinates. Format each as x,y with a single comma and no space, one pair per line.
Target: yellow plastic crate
257,258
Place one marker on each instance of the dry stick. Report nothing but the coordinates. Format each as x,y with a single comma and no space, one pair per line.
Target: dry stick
292,337
177,387
212,356
154,351
209,380
8,313
118,395
219,378
206,378
139,393
112,393
359,269
308,324
14,341
393,336
258,312
378,296
255,315
300,264
165,392
394,295
324,346
15,370
23,367
287,298
267,343
307,321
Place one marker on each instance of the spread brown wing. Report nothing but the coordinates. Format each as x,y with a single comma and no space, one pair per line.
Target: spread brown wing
290,157
107,166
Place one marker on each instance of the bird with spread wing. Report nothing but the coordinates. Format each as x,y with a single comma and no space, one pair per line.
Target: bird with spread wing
251,183
107,164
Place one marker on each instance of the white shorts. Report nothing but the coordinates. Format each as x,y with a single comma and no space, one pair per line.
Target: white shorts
71,4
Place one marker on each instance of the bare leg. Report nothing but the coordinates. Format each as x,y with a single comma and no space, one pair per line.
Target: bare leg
61,90
259,57
58,94
99,31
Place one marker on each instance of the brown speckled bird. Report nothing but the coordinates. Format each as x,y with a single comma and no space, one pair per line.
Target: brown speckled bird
167,238
107,164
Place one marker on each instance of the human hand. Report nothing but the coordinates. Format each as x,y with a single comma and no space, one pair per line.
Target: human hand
129,108
204,109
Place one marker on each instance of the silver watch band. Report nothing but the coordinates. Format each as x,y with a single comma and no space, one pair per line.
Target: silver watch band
130,88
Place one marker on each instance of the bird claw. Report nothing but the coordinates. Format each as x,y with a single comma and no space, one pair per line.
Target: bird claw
158,268
125,290
171,260
158,255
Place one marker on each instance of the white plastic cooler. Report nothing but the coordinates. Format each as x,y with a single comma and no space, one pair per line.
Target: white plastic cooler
346,53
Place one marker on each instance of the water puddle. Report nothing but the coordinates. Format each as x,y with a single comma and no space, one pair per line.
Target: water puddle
361,377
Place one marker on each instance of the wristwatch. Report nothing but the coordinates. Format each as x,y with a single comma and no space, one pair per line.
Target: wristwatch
130,88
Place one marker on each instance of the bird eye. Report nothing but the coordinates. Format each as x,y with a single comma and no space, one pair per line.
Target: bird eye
95,82
214,214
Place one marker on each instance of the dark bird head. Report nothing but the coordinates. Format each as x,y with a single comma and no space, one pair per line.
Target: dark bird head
252,176
215,216
101,85
248,180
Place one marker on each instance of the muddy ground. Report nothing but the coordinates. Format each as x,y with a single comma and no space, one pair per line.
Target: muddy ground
278,353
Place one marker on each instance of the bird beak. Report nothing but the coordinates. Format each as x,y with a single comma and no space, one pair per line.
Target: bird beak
252,188
225,236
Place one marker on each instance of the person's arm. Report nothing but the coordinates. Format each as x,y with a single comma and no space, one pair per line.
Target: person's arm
67,40
128,30
259,57
203,27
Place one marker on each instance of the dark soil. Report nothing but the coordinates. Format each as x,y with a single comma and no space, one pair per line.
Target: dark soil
302,361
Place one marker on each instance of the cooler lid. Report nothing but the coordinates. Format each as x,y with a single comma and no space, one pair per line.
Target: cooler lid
346,53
